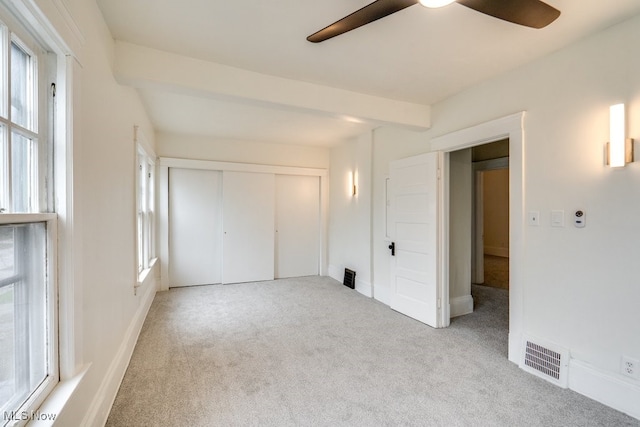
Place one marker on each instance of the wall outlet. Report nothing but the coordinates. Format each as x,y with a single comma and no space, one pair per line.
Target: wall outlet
630,367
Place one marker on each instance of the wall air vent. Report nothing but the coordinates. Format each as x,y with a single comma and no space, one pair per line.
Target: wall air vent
546,361
349,278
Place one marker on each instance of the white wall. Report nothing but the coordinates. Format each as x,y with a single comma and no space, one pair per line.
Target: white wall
580,285
203,148
349,216
103,184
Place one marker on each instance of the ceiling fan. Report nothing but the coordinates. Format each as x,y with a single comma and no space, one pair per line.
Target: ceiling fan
530,13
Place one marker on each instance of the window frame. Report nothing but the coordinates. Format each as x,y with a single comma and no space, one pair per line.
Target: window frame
41,392
145,179
15,29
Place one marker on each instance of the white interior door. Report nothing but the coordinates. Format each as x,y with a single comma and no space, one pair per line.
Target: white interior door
249,219
297,226
195,232
415,277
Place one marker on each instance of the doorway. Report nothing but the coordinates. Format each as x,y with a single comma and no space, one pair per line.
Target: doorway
478,224
510,127
490,231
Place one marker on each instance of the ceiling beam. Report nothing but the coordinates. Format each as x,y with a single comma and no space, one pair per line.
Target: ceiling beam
142,67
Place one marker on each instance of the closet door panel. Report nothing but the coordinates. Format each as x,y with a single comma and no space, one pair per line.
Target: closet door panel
297,226
195,227
248,223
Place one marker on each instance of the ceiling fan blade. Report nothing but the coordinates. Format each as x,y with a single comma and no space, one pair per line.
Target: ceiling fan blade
530,13
372,12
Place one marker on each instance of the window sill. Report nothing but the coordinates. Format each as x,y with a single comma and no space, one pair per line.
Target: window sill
54,404
144,274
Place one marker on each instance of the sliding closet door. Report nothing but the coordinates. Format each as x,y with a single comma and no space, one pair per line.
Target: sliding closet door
195,231
297,225
249,210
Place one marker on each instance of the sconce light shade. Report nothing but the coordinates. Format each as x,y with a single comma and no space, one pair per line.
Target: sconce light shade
352,188
355,184
620,148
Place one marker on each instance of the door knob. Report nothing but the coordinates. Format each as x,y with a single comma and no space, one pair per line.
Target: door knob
392,246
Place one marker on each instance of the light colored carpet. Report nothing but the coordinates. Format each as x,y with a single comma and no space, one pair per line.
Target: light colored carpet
311,352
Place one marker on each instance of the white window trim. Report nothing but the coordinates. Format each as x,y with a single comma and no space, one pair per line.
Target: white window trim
142,149
42,392
55,27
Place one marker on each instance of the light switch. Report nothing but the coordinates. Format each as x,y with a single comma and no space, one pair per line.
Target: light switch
557,218
534,218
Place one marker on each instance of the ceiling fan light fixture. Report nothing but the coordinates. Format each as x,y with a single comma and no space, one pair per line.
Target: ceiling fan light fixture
435,3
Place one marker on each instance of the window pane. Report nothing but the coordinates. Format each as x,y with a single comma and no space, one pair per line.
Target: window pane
23,312
21,87
23,174
4,170
3,71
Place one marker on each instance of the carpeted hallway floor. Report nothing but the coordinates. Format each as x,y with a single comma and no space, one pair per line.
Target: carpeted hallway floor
496,271
312,352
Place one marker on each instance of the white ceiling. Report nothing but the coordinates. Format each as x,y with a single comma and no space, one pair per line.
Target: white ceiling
417,55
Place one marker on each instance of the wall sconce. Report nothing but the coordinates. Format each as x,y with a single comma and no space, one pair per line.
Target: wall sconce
353,184
619,147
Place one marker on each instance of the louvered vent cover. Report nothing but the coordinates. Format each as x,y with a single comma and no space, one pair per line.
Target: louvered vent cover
349,278
543,360
546,362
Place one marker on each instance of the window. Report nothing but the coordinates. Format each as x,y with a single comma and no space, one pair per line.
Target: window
28,296
145,200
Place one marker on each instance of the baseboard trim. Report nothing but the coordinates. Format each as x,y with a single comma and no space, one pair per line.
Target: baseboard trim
460,306
515,347
364,288
100,407
617,392
382,294
334,273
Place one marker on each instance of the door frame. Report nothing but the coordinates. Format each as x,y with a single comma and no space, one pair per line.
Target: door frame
512,127
163,200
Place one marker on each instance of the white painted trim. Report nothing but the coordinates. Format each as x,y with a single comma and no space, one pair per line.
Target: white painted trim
54,23
335,273
443,247
239,167
460,306
162,227
364,288
515,347
163,201
19,218
60,396
382,294
142,142
102,402
483,133
511,127
615,391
